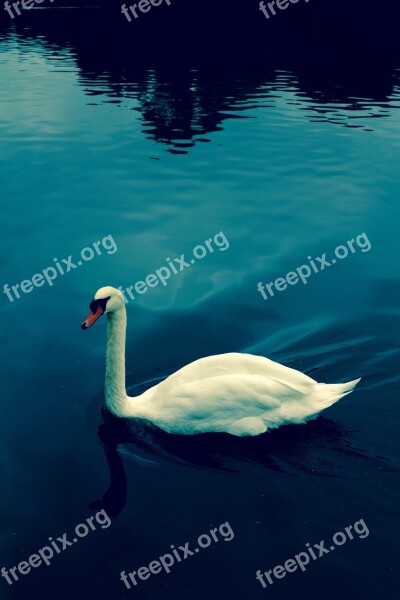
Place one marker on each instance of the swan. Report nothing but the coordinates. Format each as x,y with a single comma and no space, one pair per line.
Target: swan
239,394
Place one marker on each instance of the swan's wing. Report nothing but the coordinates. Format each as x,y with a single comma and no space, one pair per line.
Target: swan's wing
213,404
234,363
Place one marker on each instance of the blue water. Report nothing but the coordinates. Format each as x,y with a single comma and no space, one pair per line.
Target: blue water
289,153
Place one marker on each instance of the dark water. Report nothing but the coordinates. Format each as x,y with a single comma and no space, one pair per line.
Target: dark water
282,134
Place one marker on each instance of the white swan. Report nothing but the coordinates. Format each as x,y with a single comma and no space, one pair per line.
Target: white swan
240,394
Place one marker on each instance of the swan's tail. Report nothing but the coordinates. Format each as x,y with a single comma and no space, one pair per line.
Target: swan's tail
327,394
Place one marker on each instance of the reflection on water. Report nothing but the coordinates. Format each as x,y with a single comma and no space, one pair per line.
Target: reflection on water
181,101
310,449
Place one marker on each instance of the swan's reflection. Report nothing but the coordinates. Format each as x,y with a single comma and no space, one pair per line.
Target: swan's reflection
114,499
296,450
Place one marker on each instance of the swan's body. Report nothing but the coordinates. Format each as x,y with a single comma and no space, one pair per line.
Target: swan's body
240,394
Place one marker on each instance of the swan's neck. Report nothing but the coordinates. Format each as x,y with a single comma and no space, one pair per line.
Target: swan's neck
117,400
115,391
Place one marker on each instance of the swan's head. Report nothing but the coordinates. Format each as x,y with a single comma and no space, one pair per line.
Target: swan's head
106,300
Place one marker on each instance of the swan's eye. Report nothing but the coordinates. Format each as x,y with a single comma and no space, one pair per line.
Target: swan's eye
94,305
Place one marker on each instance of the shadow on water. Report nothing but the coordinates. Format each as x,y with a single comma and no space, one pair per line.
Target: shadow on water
189,67
294,449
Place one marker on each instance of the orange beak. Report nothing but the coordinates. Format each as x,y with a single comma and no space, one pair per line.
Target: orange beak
92,318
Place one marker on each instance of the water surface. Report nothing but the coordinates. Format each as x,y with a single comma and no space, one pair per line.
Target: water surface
162,140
